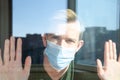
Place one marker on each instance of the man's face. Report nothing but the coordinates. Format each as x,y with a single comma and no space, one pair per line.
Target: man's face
67,36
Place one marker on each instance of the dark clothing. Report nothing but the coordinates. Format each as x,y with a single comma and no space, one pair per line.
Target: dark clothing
67,76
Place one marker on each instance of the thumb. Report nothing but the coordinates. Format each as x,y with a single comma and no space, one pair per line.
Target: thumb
100,70
27,65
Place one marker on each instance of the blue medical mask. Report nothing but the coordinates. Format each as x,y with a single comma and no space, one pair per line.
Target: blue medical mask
58,56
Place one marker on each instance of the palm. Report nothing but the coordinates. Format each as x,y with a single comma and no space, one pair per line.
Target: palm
11,67
111,69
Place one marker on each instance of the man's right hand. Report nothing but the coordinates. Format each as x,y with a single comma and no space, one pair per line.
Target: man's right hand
11,65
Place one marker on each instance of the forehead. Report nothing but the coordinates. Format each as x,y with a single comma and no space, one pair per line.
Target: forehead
63,28
69,30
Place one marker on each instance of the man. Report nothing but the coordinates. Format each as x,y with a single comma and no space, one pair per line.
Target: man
61,42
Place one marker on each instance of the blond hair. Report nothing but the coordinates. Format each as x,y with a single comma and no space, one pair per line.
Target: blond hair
66,16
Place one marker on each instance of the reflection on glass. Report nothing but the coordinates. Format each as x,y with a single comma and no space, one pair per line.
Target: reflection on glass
100,19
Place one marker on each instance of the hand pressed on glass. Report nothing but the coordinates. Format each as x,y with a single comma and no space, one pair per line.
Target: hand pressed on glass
11,66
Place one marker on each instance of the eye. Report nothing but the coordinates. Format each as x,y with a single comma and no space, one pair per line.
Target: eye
55,37
70,41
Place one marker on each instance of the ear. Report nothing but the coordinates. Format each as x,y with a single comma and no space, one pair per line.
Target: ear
80,44
44,40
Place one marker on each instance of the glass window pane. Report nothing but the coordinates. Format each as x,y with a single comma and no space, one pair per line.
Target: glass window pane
101,21
30,16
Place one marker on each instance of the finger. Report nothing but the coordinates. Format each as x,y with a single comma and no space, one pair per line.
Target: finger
12,48
27,65
114,51
6,52
19,50
110,49
106,53
100,70
0,58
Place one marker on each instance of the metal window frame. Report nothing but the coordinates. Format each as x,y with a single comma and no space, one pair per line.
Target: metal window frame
5,20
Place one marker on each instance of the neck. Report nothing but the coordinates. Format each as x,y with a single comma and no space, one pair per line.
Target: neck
53,73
